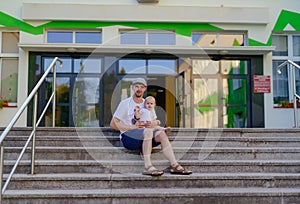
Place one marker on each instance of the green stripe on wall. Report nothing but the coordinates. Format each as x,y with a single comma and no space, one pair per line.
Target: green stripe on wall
285,18
185,29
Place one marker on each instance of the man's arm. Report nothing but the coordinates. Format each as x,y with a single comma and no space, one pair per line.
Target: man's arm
116,124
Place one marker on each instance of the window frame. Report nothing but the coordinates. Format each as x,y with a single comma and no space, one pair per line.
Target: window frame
290,56
8,56
219,33
74,35
147,32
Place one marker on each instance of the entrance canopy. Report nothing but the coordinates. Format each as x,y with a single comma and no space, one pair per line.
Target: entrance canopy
177,50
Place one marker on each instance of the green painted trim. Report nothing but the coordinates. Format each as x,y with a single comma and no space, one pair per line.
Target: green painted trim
252,42
180,28
184,29
285,18
9,21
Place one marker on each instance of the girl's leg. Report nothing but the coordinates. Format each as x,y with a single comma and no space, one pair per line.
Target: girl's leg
147,146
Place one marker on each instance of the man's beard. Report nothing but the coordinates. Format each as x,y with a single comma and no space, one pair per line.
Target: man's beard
138,95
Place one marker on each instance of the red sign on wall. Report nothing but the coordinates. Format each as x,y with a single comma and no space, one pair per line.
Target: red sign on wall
262,84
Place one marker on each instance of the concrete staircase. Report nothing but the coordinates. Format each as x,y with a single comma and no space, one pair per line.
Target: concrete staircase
88,165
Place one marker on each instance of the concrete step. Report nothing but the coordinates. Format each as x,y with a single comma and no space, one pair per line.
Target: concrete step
87,165
156,195
136,166
183,141
196,180
176,132
191,153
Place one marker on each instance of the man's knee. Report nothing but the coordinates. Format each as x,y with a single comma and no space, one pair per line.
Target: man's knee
148,134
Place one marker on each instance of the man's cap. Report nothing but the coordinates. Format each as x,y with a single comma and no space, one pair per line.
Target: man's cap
139,81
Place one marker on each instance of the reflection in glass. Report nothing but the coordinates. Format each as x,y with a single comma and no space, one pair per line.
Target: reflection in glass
86,102
126,89
9,79
231,40
87,65
62,89
88,37
133,38
296,45
161,38
217,39
206,40
280,84
297,76
162,66
132,66
220,93
205,91
62,117
237,117
86,90
281,45
59,37
67,64
205,66
86,116
206,101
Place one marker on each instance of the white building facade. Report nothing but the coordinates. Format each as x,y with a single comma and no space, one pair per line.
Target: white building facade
210,64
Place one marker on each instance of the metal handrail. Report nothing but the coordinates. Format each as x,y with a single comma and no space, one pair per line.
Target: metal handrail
34,93
292,65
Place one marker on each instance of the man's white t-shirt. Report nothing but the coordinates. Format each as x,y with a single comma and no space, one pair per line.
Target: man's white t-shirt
125,110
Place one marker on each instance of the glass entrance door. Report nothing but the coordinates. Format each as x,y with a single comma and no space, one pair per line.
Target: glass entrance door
220,93
78,92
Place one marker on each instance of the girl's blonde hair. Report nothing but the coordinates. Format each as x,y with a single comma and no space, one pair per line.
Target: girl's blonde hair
150,98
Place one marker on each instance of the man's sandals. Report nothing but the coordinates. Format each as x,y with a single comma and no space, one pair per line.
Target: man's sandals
152,171
178,169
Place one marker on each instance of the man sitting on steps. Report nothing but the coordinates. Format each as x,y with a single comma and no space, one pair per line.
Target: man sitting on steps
141,135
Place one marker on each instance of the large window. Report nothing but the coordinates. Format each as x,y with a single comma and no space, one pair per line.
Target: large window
147,37
78,89
287,47
217,39
74,37
149,66
9,60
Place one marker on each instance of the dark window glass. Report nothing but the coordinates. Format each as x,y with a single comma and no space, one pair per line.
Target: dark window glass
196,37
280,84
161,39
296,45
88,37
87,65
67,64
133,38
132,66
162,66
281,45
60,37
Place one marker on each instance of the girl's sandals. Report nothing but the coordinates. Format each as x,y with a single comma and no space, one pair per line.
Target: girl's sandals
179,170
152,171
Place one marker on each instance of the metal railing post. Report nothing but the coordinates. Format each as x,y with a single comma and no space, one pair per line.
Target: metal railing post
34,134
294,95
291,66
1,169
32,137
54,97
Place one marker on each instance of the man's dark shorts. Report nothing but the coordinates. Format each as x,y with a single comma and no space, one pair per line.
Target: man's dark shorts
133,139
